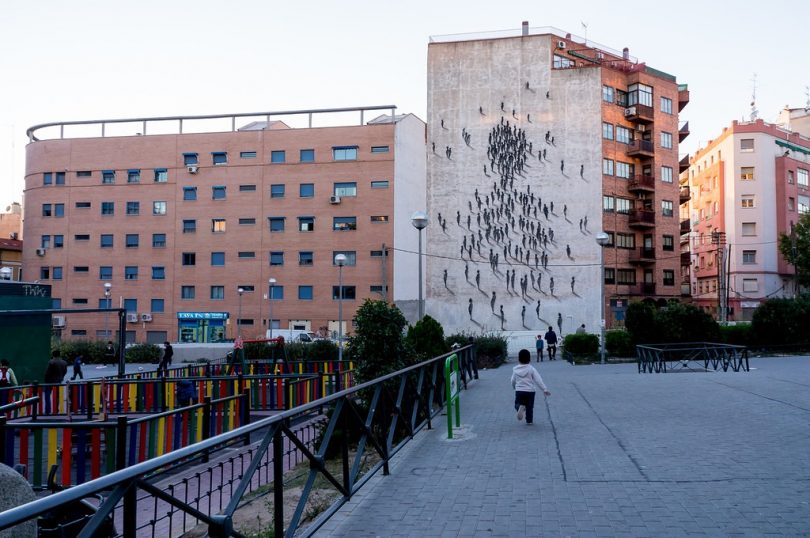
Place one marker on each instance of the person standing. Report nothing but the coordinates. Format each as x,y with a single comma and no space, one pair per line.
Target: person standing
109,353
166,359
54,373
524,380
551,341
77,368
538,344
7,377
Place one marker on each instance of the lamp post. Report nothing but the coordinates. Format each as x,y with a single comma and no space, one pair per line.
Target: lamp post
107,293
271,282
602,239
420,222
239,315
340,261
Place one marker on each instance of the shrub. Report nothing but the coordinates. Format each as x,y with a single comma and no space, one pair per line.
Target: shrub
581,344
377,345
427,339
619,343
490,350
92,351
640,322
674,323
739,335
321,350
143,353
781,321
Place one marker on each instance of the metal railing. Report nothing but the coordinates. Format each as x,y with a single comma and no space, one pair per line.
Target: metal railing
714,356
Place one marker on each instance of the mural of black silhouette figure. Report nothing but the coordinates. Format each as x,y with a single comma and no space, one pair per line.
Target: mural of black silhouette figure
478,278
503,318
523,316
551,285
568,250
466,271
492,302
559,322
445,278
573,283
470,307
581,170
537,309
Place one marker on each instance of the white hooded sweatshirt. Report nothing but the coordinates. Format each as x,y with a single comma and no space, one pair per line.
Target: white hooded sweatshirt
525,378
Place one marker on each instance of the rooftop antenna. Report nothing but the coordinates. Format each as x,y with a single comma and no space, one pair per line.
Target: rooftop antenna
807,98
585,30
754,111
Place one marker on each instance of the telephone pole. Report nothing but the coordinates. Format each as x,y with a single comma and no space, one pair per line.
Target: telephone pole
719,239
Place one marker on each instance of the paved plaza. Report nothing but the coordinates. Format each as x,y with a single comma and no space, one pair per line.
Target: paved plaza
612,453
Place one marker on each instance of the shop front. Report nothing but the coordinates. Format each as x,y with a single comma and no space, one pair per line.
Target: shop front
201,327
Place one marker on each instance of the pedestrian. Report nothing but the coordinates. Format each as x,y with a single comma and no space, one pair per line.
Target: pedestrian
551,342
524,380
57,368
538,344
77,368
7,377
581,329
186,393
165,360
109,353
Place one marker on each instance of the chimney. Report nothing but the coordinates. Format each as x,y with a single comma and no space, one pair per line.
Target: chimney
525,28
626,53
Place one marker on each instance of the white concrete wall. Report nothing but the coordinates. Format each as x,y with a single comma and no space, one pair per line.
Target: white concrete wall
461,78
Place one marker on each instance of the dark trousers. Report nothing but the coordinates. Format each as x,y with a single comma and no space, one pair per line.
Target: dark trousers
163,367
539,354
552,352
527,399
77,372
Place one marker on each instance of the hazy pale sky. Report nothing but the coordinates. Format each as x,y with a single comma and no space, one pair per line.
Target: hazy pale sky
92,59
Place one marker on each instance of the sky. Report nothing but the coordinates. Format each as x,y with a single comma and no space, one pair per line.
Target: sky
91,59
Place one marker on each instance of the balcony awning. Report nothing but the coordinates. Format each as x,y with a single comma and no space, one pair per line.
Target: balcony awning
792,147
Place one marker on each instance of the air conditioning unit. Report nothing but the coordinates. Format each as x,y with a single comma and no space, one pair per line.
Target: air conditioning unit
192,168
630,111
600,55
58,321
560,44
132,318
146,317
334,199
641,128
40,252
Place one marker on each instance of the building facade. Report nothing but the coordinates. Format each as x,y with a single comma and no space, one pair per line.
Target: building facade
189,227
537,141
748,187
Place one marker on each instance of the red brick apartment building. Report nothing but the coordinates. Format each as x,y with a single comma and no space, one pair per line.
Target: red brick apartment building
179,214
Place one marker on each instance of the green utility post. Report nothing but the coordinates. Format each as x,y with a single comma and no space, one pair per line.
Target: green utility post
452,386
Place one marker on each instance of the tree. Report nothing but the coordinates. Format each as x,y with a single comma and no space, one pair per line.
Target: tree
795,247
378,346
427,339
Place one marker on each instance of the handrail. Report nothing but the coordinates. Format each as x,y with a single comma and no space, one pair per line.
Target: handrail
13,406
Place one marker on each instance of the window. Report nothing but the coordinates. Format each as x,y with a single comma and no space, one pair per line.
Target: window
625,240
44,273
158,272
247,188
47,210
343,224
790,177
379,149
107,176
666,174
378,289
107,208
749,257
190,159
747,201
133,176
306,224
277,258
106,240
668,243
47,178
607,131
80,300
133,208
247,288
666,208
218,192
189,258
82,205
607,167
746,145
81,237
58,241
219,157
158,240
159,208
608,204
640,94
60,178
276,224
218,226
105,272
189,193
277,191
187,292
804,204
746,173
246,254
132,240
249,221
379,218
669,277
791,204
802,178
305,293
750,284
247,154
306,190
81,269
84,173
351,257
626,276
624,205
610,275
189,226
45,241
379,184
607,94
131,272
666,105
156,306
278,156
561,62
624,170
666,140
276,292
305,257
348,188
349,293
217,259
344,153
217,293
306,156
623,135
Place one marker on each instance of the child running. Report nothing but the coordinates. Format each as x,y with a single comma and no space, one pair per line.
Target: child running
524,380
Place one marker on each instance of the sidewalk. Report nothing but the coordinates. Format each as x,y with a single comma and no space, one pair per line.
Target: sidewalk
612,453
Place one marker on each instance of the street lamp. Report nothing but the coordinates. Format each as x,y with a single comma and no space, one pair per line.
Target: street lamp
272,282
107,293
340,261
420,222
239,316
602,239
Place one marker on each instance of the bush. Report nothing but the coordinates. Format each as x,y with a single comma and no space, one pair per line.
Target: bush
781,322
321,350
581,344
640,322
674,323
619,344
377,345
738,335
143,353
490,349
427,339
92,351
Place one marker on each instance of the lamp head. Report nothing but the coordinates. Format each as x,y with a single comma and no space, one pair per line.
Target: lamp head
602,239
240,290
340,260
419,220
107,288
271,281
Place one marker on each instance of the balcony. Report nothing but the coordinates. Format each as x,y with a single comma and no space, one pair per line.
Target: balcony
642,255
644,288
686,258
641,148
684,195
683,96
642,218
683,132
641,183
683,164
639,113
686,289
686,227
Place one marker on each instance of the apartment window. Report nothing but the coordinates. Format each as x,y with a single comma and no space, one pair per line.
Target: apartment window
80,300
306,224
379,184
133,208
47,210
801,174
190,159
306,190
640,94
217,225
217,259
666,208
610,275
791,204
669,277
747,173
81,269
666,174
624,170
58,241
306,156
276,292
607,167
349,293
133,176
278,156
107,177
156,306
666,140
749,257
189,193
379,149
790,178
608,204
348,188
607,94
305,293
276,224
804,204
81,237
82,205
246,254
746,145
218,192
626,276
378,289
343,224
47,178
45,273
248,221
131,272
247,288
189,226
132,240
351,257
624,205
188,258
623,135
217,293
247,188
305,257
159,208
45,241
625,240
666,105
747,201
344,153
107,208
105,272
277,191
158,240
561,62
187,292
750,284
668,243
106,240
158,272
607,131
379,218
247,154
219,157
277,258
